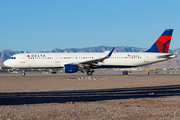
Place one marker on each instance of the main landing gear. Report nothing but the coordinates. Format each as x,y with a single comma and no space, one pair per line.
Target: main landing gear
89,72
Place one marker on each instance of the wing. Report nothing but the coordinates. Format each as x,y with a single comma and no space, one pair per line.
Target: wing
99,59
95,61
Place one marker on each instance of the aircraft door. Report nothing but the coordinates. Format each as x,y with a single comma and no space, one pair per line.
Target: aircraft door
22,58
146,58
57,59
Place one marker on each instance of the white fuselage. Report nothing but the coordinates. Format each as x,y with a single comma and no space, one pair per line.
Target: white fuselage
58,60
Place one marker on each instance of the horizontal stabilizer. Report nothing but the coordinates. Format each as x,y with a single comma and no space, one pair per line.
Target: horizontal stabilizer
168,56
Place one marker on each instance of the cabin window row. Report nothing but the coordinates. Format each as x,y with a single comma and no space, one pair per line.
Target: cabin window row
125,57
76,57
79,57
41,58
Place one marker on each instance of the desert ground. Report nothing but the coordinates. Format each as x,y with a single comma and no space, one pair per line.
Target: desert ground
98,97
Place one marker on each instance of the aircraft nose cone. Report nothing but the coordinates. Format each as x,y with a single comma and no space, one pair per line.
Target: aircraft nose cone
6,63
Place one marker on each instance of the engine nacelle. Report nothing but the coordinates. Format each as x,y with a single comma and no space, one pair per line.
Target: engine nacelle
70,68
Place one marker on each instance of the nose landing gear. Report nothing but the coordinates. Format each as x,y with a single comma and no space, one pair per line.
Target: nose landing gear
23,73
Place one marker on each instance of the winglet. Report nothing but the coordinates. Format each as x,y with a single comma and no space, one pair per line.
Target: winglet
110,53
108,56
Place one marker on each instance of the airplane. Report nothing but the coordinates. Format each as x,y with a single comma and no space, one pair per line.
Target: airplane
87,62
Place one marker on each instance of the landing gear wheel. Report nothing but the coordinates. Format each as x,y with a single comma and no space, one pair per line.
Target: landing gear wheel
23,74
89,72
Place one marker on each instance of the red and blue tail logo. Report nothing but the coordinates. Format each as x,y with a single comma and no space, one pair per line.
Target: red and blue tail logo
163,42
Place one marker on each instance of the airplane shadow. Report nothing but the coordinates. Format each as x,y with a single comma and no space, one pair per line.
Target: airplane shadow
20,98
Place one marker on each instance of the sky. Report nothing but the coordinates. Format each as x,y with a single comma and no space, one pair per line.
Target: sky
42,25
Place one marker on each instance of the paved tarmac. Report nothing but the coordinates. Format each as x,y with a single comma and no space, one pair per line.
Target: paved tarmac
96,73
105,95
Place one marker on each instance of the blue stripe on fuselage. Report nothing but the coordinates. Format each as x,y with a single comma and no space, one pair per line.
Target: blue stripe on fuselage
115,66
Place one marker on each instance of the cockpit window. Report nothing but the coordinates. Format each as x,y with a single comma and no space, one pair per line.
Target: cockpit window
13,57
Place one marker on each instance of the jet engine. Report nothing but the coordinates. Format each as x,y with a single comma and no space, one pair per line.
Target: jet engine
70,68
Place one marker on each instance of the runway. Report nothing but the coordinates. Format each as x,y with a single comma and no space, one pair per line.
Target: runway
109,96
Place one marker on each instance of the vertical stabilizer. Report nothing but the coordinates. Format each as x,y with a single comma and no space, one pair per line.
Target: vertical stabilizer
163,42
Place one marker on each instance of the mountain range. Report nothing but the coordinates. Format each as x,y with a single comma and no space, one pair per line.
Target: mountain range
6,54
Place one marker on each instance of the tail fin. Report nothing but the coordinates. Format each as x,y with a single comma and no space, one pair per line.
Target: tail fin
163,42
